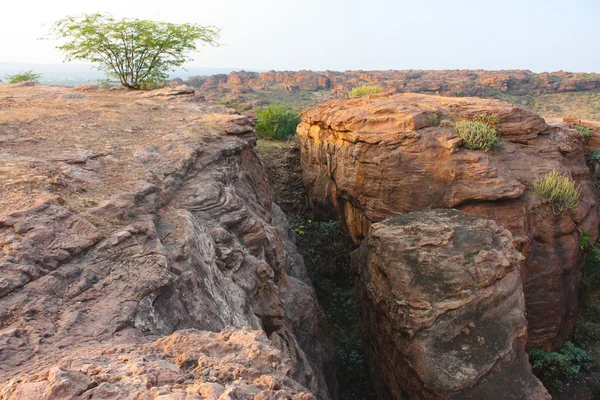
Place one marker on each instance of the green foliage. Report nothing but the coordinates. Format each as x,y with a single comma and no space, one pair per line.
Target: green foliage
584,240
559,190
433,119
27,76
557,368
460,94
596,156
139,53
586,132
476,135
276,122
364,90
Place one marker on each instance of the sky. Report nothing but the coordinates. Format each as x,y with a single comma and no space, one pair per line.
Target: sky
343,35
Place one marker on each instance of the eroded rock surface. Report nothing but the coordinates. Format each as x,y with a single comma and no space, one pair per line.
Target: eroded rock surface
442,309
126,216
370,158
187,365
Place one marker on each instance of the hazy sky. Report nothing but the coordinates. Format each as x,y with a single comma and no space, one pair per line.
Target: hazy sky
544,35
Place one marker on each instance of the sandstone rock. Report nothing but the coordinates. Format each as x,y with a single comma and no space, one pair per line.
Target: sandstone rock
367,159
177,230
188,364
442,309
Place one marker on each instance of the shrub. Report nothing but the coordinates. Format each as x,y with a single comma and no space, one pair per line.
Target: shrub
584,131
276,122
559,190
485,118
596,156
557,368
364,90
433,119
476,135
27,76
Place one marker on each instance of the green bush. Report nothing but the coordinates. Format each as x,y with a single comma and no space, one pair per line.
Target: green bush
485,118
476,135
276,122
27,76
596,156
364,90
557,368
584,131
559,190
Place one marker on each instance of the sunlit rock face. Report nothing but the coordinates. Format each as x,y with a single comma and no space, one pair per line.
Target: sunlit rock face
366,159
132,215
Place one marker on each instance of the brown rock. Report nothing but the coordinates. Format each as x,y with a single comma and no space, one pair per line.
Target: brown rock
188,364
367,159
442,309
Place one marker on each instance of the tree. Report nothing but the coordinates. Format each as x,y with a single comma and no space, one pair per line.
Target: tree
136,52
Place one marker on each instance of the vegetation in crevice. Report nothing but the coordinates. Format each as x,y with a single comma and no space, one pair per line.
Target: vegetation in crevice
476,135
326,252
558,190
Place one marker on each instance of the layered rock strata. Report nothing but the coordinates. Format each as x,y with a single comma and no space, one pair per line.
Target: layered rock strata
370,158
127,216
442,310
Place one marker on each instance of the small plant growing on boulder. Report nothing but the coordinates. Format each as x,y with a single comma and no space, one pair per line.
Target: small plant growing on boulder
489,119
559,190
364,90
586,132
276,122
433,119
27,76
476,135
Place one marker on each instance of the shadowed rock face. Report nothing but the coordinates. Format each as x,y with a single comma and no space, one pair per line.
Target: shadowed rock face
129,216
370,158
442,310
188,364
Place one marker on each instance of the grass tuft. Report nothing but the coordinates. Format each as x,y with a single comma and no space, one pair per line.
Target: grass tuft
476,135
27,76
559,190
364,90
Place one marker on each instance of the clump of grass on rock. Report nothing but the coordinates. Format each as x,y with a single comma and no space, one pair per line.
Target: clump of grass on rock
27,76
476,135
364,90
276,122
559,190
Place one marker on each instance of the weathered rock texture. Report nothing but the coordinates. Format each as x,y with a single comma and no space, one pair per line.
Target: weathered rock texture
371,158
125,216
187,365
449,82
442,311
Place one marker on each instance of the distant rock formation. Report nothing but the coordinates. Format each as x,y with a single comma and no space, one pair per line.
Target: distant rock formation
447,82
129,216
189,364
442,311
370,158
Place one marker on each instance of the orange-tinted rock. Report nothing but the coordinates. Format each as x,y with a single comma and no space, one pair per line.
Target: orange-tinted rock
367,159
189,364
441,305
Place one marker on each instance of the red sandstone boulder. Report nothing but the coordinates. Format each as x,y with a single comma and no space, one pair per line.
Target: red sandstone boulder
442,310
370,158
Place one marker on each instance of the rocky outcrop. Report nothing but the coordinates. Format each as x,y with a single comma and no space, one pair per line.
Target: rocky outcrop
127,216
442,311
370,158
188,364
448,82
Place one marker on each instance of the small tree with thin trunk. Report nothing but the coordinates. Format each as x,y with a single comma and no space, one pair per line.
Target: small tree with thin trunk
139,53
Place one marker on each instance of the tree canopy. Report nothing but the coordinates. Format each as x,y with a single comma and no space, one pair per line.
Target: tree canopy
136,52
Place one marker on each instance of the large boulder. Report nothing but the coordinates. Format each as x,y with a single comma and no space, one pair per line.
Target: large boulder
441,306
130,217
370,158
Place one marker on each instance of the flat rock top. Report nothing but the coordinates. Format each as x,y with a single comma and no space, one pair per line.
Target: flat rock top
405,112
85,144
